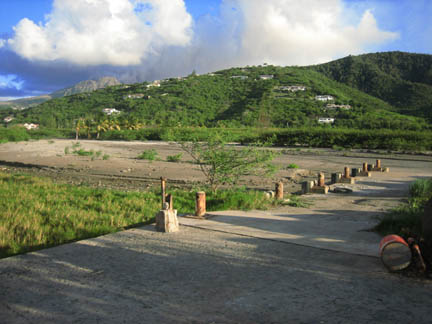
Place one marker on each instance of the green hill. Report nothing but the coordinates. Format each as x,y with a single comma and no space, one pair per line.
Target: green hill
235,97
404,80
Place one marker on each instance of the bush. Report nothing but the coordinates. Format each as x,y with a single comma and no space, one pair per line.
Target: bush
149,155
405,220
292,166
174,158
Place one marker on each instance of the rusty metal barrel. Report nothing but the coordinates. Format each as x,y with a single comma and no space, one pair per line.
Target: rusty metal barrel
395,252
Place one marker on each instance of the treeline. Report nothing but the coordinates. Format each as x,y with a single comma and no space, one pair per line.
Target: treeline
297,137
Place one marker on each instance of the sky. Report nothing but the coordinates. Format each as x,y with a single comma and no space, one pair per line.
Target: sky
46,45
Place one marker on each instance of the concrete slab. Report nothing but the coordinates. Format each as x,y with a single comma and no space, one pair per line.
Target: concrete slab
319,230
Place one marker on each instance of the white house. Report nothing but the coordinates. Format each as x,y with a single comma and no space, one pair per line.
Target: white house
266,76
8,119
30,126
293,88
155,83
110,111
326,120
333,106
324,98
241,77
134,96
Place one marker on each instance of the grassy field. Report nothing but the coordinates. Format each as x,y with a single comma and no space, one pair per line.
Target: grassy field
37,213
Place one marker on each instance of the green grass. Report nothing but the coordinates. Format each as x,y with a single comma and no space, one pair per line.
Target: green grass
292,166
78,150
149,155
174,158
405,220
37,213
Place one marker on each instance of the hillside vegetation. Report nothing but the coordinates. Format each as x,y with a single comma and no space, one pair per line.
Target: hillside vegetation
236,97
404,80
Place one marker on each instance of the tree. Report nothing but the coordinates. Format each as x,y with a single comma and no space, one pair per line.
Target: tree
79,124
222,164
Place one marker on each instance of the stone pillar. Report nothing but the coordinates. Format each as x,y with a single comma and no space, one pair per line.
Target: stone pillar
347,172
365,167
167,221
378,164
321,180
200,205
279,190
163,188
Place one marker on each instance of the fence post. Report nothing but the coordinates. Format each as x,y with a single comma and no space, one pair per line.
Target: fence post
200,205
279,190
163,187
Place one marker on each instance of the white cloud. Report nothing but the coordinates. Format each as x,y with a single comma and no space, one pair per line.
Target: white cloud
10,81
153,39
302,32
2,42
96,32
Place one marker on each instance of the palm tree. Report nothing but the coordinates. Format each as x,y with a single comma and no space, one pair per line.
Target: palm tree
79,125
102,126
88,125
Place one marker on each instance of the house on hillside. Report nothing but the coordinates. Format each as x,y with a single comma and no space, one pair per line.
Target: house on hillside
266,76
293,88
8,119
155,83
30,126
326,120
110,111
333,107
241,77
134,96
324,98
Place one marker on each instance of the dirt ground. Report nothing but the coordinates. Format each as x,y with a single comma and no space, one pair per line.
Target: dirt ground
124,171
317,264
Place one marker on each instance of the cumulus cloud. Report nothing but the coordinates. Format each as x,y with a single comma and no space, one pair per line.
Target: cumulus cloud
302,32
96,32
140,40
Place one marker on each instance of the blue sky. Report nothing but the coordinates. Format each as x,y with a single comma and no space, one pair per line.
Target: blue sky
47,45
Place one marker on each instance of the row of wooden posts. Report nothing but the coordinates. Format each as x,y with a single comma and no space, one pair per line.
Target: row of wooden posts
200,198
348,176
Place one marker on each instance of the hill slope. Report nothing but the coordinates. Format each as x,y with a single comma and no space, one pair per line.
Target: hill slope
87,86
402,79
234,97
81,87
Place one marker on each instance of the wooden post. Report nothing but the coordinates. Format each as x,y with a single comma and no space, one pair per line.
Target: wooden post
163,187
365,167
321,180
200,206
169,200
279,190
378,164
347,172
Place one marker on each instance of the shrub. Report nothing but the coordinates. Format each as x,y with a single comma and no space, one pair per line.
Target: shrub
174,158
292,166
149,155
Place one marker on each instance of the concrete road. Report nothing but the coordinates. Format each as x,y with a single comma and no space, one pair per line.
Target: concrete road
204,276
289,265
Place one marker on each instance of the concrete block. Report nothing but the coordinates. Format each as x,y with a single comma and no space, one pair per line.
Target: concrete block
167,221
320,190
363,174
346,180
